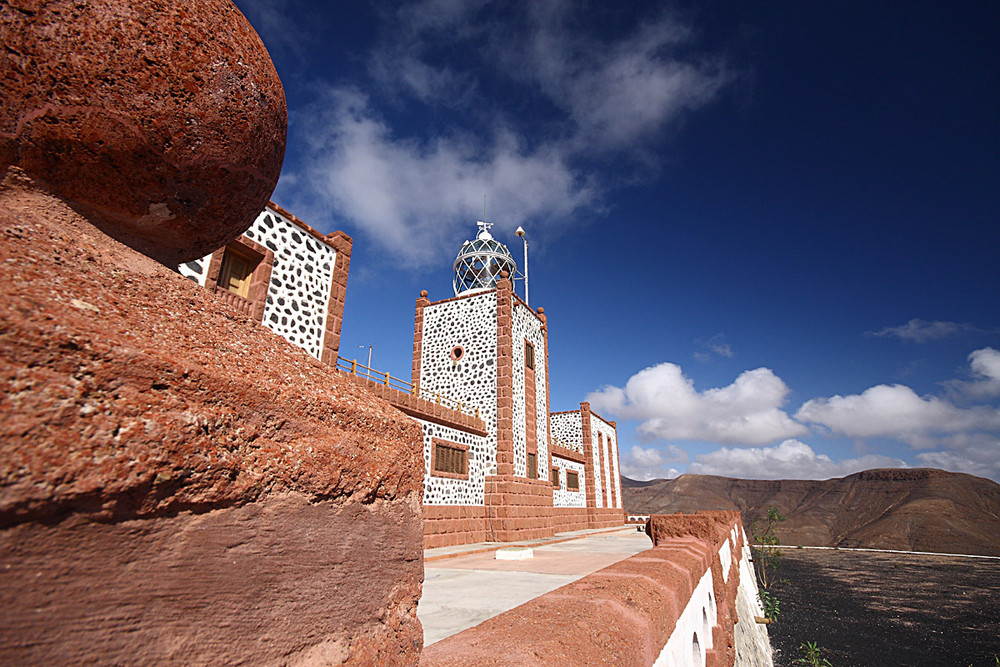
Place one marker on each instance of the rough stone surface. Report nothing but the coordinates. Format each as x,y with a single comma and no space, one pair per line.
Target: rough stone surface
162,122
178,485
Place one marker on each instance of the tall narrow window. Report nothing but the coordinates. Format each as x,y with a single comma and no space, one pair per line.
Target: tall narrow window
234,275
532,465
529,355
572,480
555,477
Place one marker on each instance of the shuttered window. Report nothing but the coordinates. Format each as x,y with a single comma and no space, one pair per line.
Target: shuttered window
532,465
450,459
572,480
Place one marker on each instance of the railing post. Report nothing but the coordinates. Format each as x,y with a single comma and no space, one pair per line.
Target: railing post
439,399
387,378
477,413
354,366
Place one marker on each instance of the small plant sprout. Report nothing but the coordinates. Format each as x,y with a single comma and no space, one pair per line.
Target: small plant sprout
811,656
769,603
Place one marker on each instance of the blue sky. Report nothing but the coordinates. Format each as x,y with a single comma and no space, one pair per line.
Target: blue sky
766,235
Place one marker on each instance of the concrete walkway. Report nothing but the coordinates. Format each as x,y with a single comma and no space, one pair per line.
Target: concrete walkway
464,586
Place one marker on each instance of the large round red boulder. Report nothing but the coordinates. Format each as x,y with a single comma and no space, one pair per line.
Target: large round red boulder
162,122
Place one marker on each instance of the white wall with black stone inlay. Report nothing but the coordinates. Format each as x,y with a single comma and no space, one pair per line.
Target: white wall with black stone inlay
196,270
567,430
527,327
446,491
595,467
562,496
609,470
471,324
299,292
301,276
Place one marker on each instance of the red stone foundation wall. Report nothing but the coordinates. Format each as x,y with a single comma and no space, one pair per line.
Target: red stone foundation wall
451,525
621,615
519,508
607,517
565,519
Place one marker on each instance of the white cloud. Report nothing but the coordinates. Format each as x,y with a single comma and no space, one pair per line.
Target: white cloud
416,189
746,412
975,454
984,366
922,331
896,411
414,197
791,459
652,463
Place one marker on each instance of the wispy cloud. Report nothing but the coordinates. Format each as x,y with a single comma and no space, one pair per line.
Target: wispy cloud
714,346
922,331
468,97
746,412
616,93
790,459
283,25
414,196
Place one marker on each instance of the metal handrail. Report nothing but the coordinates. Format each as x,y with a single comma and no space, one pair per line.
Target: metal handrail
384,378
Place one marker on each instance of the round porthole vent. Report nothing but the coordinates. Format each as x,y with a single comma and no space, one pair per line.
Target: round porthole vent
457,353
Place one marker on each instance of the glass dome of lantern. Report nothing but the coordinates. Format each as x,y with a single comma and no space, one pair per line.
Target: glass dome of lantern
480,262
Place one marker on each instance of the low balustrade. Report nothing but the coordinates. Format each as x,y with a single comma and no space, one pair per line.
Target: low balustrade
353,367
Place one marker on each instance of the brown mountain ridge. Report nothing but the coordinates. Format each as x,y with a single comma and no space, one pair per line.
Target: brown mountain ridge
917,509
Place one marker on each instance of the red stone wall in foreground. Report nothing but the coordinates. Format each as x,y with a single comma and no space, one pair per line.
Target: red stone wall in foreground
621,615
178,485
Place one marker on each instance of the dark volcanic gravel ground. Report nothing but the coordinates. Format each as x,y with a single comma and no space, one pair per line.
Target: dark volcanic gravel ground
881,609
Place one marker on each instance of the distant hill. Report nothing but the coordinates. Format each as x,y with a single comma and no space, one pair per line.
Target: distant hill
911,509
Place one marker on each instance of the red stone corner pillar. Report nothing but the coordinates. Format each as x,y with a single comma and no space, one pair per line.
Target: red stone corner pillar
342,244
548,385
418,340
588,464
505,377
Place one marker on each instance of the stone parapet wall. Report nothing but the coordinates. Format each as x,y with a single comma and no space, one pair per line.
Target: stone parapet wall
672,604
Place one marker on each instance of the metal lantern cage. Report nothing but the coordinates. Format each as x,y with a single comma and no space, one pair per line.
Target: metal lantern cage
480,262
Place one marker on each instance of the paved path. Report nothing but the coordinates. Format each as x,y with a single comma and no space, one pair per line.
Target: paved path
461,591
